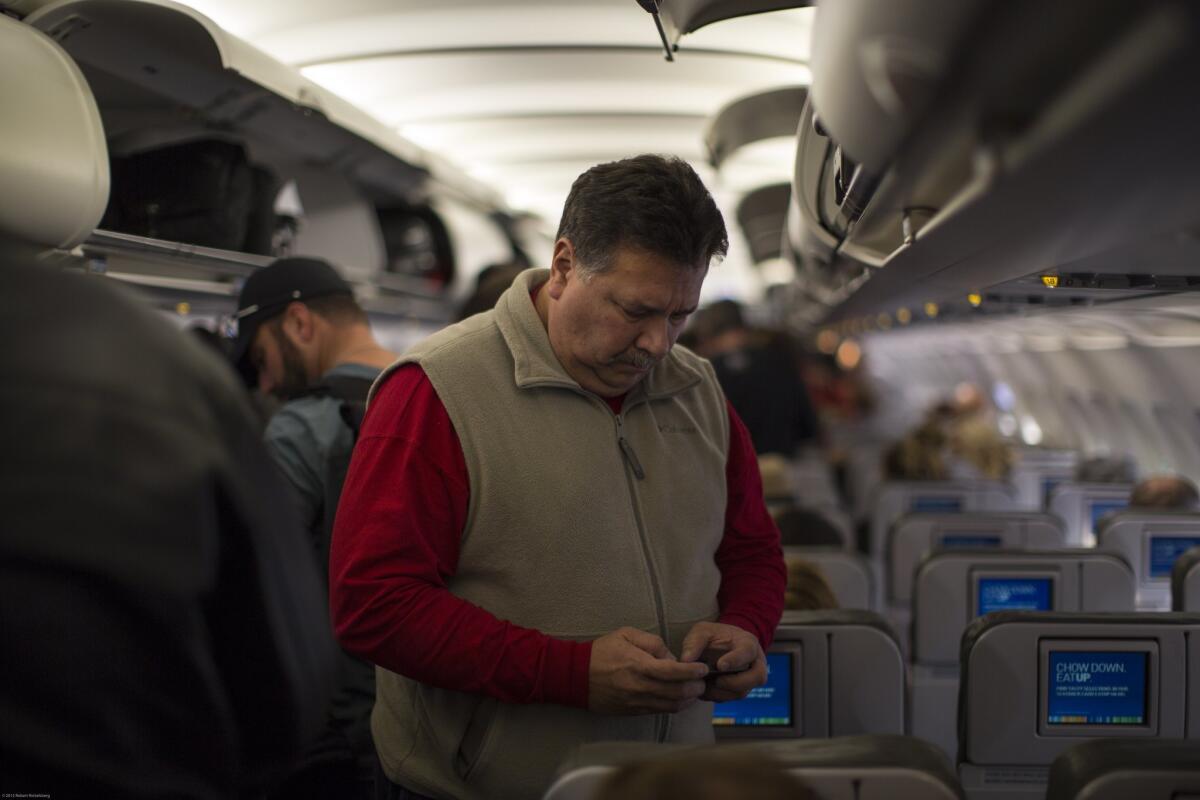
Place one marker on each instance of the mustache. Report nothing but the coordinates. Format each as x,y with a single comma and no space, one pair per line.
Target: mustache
639,359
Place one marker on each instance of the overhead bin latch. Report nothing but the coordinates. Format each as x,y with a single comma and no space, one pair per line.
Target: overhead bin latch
652,7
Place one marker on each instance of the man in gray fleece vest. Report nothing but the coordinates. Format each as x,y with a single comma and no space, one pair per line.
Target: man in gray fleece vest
553,529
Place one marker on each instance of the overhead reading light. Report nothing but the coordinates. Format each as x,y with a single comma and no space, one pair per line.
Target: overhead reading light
849,354
931,310
975,299
1050,281
884,321
904,316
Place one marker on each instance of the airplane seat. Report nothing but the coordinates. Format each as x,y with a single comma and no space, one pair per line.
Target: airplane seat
1116,769
54,159
1083,505
808,527
1185,582
833,673
845,768
848,574
1034,684
916,535
1151,541
896,498
952,588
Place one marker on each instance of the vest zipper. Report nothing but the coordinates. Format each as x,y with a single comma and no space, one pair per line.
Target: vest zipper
661,721
627,450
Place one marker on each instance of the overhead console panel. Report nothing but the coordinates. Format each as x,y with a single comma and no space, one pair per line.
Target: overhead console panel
971,148
676,18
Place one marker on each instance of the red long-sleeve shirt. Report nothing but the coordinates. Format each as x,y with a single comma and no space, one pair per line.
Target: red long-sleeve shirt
401,515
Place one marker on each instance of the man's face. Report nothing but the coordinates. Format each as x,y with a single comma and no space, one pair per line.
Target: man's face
609,330
278,362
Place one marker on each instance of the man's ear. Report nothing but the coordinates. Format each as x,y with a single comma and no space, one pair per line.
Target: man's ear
299,323
562,268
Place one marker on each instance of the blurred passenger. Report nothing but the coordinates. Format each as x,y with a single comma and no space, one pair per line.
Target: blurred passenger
490,283
807,588
1105,469
1168,492
977,449
156,594
303,338
760,374
776,474
558,447
705,774
918,456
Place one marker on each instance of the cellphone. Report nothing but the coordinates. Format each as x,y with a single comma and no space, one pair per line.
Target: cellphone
710,656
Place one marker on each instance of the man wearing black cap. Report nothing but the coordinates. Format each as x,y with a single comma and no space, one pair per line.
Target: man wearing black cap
303,338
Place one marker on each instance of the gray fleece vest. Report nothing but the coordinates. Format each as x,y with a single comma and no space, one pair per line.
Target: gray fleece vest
580,522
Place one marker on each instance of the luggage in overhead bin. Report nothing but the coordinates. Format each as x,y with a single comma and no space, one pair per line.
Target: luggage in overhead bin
202,192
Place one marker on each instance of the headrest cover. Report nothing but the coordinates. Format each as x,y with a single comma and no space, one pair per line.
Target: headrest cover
54,162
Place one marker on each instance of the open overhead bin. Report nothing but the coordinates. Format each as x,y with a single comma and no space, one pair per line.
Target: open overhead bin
675,18
765,115
217,148
761,216
1005,149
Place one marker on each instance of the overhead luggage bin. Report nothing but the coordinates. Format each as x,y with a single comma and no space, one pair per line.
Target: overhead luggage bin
846,768
975,147
167,77
1185,582
765,115
1151,541
1114,769
675,18
761,217
1035,684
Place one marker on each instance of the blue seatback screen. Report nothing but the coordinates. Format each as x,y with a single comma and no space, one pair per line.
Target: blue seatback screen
1015,594
1166,550
1102,507
770,705
963,541
936,504
1048,485
1097,688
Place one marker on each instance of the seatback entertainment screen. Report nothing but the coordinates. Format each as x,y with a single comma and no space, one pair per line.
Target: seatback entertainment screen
1164,551
1015,594
768,706
1101,507
947,505
1097,687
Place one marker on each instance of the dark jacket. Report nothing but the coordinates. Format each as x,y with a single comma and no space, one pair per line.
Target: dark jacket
156,595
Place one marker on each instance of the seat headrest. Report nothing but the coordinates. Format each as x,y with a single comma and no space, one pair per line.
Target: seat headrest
54,162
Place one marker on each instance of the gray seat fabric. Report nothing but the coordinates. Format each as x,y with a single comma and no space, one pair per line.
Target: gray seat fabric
1113,769
1185,567
857,757
840,616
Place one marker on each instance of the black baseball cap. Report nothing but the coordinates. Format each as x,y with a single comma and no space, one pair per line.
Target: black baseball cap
267,292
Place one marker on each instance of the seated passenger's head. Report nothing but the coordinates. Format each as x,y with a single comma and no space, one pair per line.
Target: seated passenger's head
1165,491
633,247
807,588
290,314
705,774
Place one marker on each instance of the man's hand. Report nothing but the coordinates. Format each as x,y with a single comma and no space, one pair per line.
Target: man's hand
633,672
741,651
